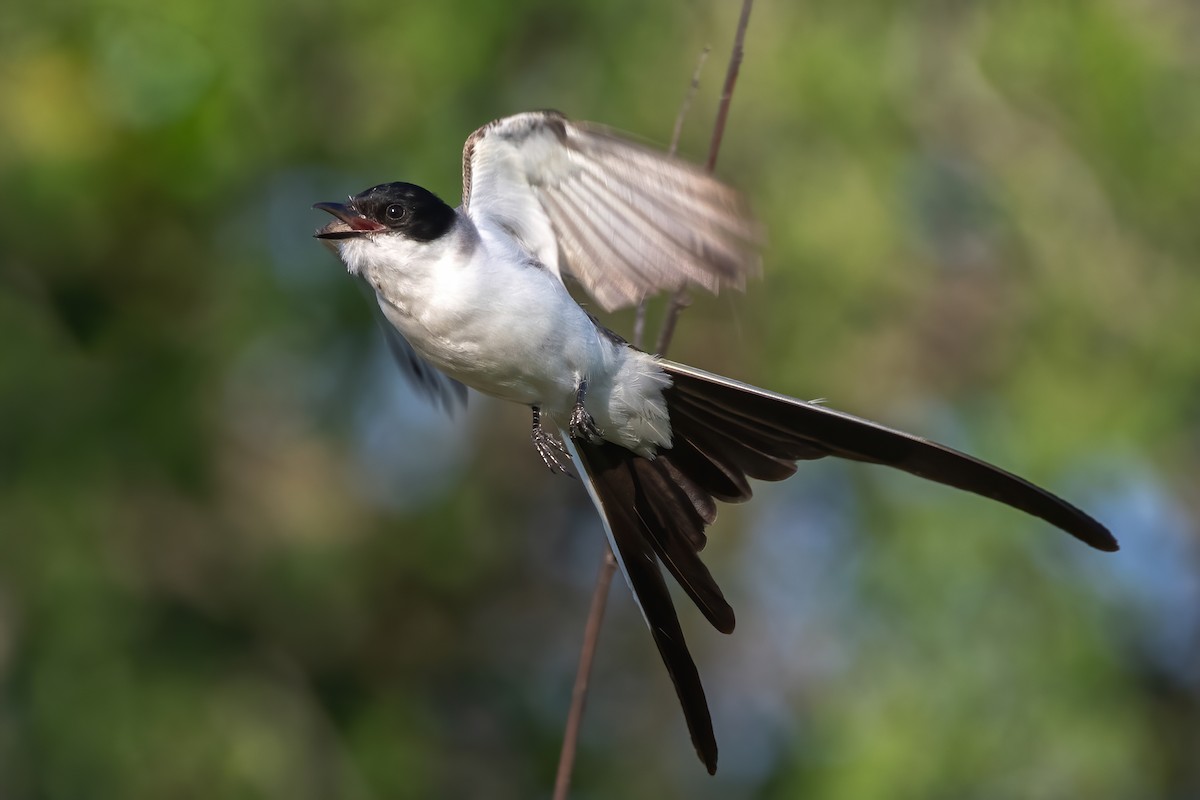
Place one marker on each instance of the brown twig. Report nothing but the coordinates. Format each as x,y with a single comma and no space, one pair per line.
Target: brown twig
639,324
686,105
591,631
679,301
639,320
731,75
591,636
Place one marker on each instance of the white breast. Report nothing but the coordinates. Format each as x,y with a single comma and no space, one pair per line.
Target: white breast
477,307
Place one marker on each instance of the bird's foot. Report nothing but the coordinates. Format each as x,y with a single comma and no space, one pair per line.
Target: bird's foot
550,447
582,425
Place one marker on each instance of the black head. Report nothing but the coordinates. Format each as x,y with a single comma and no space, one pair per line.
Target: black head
399,207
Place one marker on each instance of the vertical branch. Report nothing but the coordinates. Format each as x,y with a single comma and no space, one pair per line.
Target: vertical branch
679,301
587,655
686,105
639,320
608,566
639,324
731,76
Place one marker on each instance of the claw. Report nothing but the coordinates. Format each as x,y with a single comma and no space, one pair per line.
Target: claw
550,447
582,425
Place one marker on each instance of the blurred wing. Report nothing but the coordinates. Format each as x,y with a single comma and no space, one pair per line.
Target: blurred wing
432,384
624,220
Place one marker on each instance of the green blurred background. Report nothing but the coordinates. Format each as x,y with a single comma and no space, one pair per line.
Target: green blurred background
239,559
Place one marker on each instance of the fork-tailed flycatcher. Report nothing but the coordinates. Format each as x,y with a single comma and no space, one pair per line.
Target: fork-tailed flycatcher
475,296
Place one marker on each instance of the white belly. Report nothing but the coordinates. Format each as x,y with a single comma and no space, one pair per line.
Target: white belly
525,341
510,329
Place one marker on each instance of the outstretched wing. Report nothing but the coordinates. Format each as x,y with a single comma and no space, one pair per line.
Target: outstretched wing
435,386
625,220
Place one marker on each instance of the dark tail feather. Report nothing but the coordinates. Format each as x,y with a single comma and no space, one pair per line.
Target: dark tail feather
760,429
648,519
724,432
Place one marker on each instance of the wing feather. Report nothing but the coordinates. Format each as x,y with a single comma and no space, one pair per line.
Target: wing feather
660,238
624,220
431,383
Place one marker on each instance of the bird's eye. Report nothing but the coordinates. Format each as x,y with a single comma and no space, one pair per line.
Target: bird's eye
395,212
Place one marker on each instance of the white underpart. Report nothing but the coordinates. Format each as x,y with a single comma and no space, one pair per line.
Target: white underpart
477,306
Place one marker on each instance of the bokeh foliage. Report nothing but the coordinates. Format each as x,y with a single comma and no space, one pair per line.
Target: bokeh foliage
239,559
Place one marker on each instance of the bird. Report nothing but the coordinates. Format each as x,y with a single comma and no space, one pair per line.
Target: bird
476,296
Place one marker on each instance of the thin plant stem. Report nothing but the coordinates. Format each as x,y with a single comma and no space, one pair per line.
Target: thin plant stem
591,638
731,76
639,320
679,301
686,105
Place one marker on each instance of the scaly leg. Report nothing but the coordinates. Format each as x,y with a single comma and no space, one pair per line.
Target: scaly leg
582,425
550,447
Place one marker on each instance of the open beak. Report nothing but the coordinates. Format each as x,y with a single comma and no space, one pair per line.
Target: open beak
347,224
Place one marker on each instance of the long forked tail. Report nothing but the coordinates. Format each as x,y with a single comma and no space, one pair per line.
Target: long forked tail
724,432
